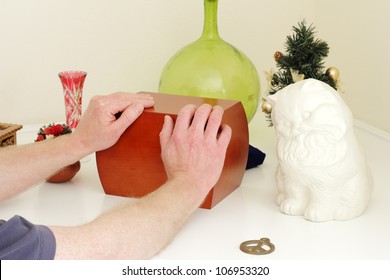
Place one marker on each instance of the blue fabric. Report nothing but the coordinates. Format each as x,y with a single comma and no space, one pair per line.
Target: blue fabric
255,157
22,240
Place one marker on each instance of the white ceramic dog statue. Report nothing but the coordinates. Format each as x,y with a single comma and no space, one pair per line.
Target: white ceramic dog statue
322,174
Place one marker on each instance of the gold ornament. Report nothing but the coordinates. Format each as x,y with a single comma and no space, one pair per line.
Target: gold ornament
296,76
277,56
266,107
333,73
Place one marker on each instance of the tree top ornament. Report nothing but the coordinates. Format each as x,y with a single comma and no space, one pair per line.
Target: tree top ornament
303,58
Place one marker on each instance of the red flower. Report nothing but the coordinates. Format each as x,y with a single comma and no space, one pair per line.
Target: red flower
40,138
51,131
54,130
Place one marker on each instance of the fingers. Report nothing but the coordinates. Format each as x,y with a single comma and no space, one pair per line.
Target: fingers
205,119
201,117
119,110
184,118
145,99
166,131
216,130
214,122
121,100
225,136
130,114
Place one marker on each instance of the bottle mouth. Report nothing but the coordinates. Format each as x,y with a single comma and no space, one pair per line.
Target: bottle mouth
72,74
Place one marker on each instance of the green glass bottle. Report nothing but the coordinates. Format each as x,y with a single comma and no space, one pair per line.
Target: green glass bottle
212,68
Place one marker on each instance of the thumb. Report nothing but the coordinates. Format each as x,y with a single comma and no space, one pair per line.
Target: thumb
128,116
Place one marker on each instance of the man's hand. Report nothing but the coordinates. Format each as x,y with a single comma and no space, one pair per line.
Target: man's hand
100,128
194,149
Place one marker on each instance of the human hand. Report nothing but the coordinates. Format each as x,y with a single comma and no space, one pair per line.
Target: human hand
99,128
193,150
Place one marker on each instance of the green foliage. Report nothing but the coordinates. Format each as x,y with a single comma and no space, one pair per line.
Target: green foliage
304,54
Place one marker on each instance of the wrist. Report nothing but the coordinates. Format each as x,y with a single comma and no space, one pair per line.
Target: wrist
77,147
193,189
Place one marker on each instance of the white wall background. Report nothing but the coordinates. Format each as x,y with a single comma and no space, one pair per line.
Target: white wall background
124,44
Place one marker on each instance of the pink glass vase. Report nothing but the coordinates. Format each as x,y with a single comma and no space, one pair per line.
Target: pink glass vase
72,84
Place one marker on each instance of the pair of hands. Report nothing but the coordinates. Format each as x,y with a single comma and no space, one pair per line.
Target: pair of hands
192,149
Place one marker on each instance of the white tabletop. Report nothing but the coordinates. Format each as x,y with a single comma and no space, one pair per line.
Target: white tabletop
250,212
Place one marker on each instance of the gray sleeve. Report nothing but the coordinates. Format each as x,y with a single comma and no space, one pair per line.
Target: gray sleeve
22,240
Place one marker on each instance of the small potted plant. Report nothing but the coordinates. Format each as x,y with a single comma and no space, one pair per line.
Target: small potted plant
52,131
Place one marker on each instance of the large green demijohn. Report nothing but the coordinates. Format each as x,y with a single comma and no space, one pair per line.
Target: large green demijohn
212,68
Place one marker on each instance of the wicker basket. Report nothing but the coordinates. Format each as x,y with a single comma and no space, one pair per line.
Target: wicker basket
8,134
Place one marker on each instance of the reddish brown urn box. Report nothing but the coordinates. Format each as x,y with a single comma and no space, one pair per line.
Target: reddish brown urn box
133,166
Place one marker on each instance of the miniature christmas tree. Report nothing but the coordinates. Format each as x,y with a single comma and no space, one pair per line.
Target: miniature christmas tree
303,59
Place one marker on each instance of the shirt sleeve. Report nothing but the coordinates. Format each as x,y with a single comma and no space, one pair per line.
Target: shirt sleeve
22,240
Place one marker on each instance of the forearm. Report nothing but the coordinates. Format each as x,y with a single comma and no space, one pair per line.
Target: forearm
23,166
138,230
193,154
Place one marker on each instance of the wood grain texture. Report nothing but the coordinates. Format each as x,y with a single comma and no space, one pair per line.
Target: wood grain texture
133,166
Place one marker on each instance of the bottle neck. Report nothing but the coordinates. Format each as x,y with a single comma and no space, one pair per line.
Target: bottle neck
210,26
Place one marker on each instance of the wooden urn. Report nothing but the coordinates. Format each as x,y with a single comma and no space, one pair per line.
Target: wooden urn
133,166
